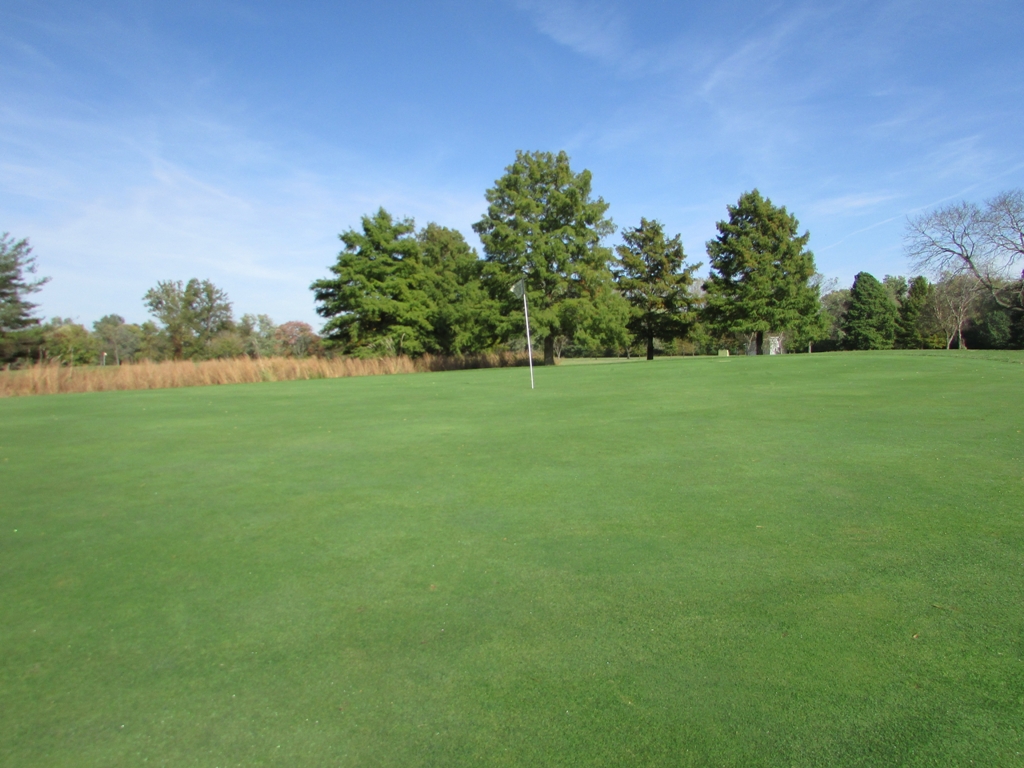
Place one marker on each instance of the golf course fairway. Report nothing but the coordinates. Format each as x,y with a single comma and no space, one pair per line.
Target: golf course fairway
802,560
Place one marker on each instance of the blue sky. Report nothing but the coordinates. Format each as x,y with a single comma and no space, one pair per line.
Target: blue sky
234,141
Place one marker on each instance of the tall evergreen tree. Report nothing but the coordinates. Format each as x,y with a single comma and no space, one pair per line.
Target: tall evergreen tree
908,322
377,302
651,275
871,317
398,291
543,226
760,271
18,328
463,315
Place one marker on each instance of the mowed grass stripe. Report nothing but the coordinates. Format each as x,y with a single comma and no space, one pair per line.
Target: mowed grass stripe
688,562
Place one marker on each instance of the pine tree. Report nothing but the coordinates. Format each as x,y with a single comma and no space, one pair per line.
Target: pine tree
18,328
871,318
908,322
651,275
377,302
760,271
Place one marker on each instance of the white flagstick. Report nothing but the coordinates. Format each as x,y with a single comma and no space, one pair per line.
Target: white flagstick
529,344
519,289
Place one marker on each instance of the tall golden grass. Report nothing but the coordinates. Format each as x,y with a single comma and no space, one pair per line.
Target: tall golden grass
52,378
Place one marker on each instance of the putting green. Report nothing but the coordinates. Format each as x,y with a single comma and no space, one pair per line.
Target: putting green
798,560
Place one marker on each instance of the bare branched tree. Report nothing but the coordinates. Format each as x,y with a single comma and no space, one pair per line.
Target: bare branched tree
1004,227
985,243
822,284
954,302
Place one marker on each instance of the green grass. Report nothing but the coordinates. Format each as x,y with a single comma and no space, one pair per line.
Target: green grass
802,560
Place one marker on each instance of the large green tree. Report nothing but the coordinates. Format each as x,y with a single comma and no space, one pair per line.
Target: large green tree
462,315
871,318
543,226
396,291
377,302
760,271
652,275
17,264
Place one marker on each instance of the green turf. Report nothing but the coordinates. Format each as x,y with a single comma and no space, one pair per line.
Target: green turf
802,560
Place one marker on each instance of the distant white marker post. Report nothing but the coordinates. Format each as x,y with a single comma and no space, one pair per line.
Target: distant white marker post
519,289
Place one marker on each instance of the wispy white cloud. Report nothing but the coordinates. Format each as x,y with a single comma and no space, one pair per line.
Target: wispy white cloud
130,152
757,56
846,205
262,236
25,54
602,31
900,217
592,30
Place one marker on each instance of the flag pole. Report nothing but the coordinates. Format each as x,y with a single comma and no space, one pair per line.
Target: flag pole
529,344
519,289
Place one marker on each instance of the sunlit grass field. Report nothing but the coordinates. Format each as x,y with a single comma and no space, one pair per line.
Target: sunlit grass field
799,560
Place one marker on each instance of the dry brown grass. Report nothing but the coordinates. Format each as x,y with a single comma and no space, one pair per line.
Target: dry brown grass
51,379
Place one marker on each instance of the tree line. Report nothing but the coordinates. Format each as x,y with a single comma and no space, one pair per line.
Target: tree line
395,289
193,321
975,299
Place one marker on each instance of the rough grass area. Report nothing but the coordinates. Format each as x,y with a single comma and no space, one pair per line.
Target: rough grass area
54,378
803,560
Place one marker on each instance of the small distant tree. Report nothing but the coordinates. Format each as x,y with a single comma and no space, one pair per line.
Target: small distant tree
16,265
896,286
703,341
153,342
909,329
258,335
297,339
210,313
226,344
168,304
760,271
991,326
651,273
118,339
835,304
953,302
814,326
69,342
871,316
192,314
